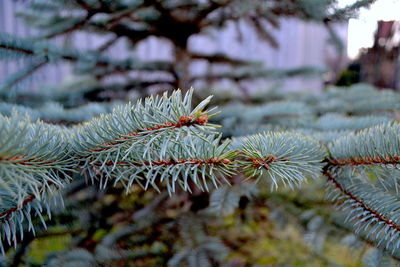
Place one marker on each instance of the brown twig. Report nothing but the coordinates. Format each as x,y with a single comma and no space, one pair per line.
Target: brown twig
170,161
264,162
395,159
25,160
26,201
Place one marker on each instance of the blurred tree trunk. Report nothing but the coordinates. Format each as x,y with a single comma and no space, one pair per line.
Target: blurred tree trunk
182,67
397,71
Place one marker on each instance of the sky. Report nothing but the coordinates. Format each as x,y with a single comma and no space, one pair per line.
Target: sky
361,30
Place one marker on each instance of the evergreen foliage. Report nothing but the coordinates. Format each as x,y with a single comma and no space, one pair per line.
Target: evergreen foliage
158,182
173,144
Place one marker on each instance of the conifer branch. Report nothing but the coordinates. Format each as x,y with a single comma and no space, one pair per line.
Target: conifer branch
372,210
221,58
381,145
46,51
16,49
182,121
28,199
349,10
16,217
33,157
282,156
27,161
365,236
25,202
21,75
247,73
385,160
256,22
359,203
78,23
130,125
197,159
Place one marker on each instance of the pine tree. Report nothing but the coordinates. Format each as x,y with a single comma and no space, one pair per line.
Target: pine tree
135,21
158,182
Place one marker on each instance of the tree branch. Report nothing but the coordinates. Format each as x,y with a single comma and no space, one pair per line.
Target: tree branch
378,216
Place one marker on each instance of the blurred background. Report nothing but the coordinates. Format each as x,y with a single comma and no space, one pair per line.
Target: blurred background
367,52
